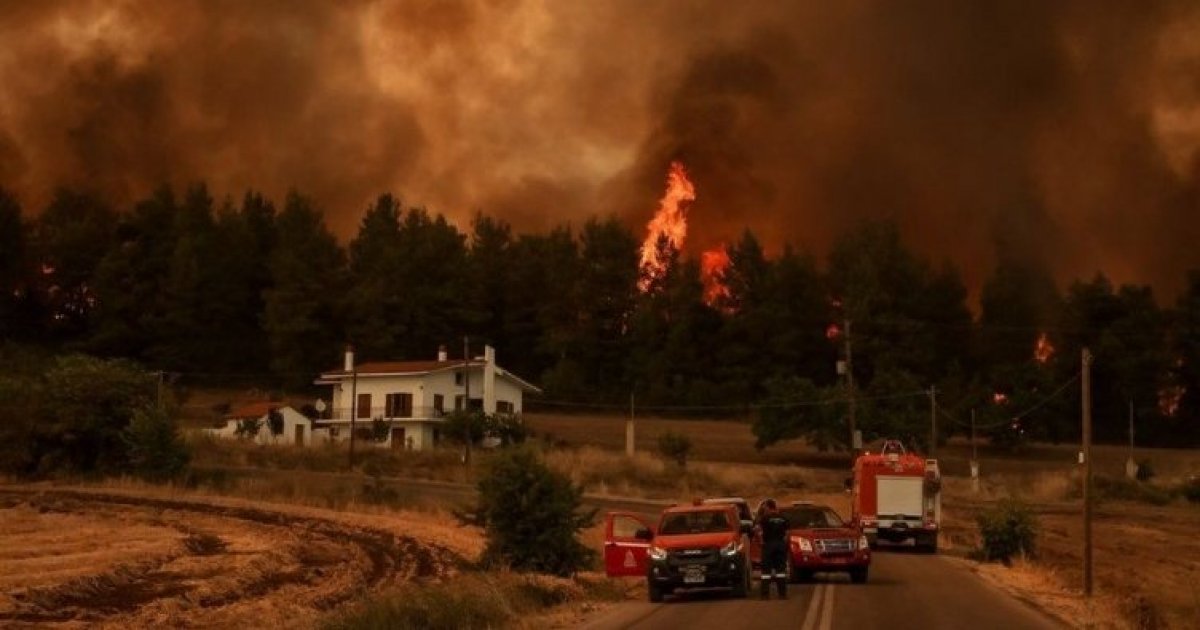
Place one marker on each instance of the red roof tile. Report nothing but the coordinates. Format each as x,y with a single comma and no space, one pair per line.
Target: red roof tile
254,410
402,367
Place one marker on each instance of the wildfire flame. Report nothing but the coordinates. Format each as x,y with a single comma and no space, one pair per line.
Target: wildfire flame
999,398
713,264
1043,350
1169,398
670,223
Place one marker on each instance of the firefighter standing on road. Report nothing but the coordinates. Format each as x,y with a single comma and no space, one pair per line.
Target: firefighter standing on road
774,528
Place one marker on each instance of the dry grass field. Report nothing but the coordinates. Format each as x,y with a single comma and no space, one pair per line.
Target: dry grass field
141,557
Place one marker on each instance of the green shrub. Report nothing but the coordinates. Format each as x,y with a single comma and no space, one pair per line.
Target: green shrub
156,450
275,422
1191,490
675,447
1145,470
248,428
1006,530
380,430
531,516
1125,489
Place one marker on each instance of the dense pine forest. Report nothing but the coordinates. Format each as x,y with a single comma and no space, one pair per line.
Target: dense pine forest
255,293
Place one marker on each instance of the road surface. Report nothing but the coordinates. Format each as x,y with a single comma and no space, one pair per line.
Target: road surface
905,590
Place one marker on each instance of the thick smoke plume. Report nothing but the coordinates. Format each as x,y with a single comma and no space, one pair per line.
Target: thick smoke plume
1060,132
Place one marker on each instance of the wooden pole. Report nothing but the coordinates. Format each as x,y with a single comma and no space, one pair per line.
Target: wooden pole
1086,456
629,429
933,433
850,390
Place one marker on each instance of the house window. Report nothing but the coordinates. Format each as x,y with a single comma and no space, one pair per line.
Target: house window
458,377
503,406
399,405
439,404
364,406
458,402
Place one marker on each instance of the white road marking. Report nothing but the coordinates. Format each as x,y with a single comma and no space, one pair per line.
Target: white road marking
827,613
810,619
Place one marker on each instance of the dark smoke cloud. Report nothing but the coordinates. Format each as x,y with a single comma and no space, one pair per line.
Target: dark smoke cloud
1064,132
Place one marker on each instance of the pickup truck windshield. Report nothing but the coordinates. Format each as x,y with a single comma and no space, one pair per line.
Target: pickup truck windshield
811,517
695,523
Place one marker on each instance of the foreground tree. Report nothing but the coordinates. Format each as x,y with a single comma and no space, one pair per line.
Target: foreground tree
532,516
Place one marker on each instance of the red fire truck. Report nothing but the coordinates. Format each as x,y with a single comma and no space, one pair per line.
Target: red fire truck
897,496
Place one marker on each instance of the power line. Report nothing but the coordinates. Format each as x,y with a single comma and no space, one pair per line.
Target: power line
819,402
1038,405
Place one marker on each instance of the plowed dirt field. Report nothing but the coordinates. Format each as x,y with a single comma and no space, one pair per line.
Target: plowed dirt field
77,557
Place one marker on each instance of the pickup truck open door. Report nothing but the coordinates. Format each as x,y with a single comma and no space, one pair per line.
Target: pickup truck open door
626,540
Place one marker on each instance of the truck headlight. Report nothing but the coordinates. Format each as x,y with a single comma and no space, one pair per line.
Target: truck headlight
732,549
803,543
656,553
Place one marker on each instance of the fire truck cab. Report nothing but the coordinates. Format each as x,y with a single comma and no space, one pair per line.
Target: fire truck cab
897,496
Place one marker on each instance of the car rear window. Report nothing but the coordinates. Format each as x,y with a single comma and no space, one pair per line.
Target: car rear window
706,522
809,517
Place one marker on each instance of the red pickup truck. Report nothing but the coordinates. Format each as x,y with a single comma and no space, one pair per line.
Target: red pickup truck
694,546
820,541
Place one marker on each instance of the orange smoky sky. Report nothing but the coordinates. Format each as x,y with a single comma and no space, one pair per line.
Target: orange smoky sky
1059,132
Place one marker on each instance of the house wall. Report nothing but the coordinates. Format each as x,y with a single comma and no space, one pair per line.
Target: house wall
291,420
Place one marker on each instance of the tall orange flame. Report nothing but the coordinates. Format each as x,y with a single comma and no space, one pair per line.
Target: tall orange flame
670,222
1043,350
713,264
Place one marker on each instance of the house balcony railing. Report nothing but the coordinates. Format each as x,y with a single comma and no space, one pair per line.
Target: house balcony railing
342,414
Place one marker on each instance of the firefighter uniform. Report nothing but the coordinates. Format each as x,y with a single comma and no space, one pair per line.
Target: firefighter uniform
774,527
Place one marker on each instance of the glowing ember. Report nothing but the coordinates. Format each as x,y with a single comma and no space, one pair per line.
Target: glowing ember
1169,398
669,223
1000,398
1043,350
713,264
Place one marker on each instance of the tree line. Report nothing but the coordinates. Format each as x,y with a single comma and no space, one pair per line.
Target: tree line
247,292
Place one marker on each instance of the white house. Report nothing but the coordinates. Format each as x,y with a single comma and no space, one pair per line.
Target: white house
413,396
297,428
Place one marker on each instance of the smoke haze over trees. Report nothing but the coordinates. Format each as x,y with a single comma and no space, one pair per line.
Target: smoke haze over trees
1051,132
249,293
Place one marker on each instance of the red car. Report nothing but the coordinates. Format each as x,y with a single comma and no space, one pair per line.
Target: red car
695,546
819,541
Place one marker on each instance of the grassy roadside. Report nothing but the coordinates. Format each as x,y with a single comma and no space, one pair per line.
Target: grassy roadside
481,600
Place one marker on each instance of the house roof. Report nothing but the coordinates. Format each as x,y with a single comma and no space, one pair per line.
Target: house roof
398,367
254,410
416,368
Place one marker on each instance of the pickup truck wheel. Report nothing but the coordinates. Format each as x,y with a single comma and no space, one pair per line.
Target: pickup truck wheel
655,592
858,576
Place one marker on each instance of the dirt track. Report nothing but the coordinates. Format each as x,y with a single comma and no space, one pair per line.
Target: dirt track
81,558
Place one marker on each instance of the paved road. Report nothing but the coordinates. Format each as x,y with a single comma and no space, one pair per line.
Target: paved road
905,590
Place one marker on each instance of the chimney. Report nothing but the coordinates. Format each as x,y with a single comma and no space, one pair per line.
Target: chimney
349,364
442,356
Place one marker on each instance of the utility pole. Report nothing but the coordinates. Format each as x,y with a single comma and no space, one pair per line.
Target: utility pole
629,434
467,400
353,408
974,457
1131,467
933,421
850,389
1086,459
